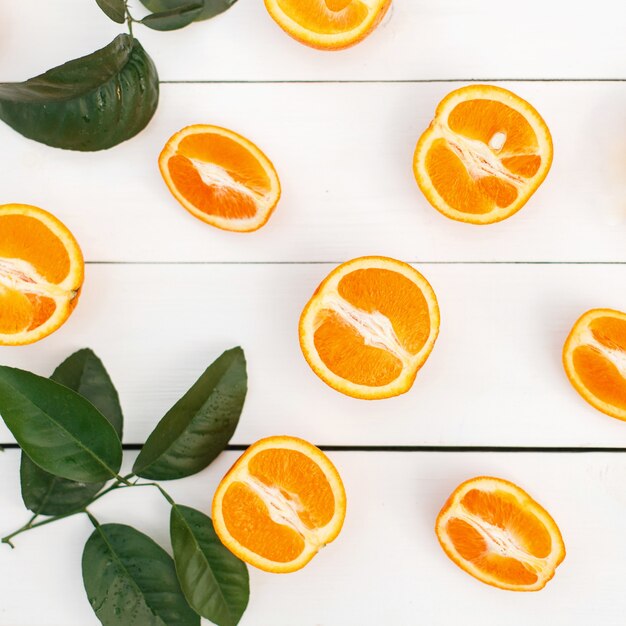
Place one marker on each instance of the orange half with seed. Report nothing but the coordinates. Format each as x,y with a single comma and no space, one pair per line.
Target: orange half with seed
483,156
279,504
496,532
369,327
41,274
594,357
220,177
328,24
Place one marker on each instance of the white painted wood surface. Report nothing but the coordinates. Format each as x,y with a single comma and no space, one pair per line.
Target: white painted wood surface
425,40
344,155
386,566
343,151
494,377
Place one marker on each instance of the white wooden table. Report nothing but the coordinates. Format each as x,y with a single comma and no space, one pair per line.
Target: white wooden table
165,294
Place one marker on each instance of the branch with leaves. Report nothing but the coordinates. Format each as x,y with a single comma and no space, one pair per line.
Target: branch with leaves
69,428
100,100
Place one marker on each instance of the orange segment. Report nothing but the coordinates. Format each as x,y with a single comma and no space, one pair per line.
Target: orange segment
41,273
594,357
220,177
279,504
483,156
369,327
496,532
328,24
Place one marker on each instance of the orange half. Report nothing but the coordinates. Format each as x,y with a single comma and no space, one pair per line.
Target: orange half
220,177
279,504
328,24
41,273
483,156
496,532
594,357
369,327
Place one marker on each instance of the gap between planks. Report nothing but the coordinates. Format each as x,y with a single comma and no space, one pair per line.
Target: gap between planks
469,449
411,261
383,81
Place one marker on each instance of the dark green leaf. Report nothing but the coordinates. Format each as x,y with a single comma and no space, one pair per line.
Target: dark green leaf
59,430
91,103
211,7
131,581
174,18
85,373
46,494
214,581
198,427
115,9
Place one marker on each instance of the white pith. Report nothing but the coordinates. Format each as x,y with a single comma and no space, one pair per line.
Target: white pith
282,509
616,356
215,175
20,275
375,328
501,542
477,157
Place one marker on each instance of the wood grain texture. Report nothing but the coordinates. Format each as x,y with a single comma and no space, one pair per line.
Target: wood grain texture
425,40
494,377
386,566
348,187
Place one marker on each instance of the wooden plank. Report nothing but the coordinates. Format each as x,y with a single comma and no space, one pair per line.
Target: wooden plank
444,39
348,187
494,377
386,567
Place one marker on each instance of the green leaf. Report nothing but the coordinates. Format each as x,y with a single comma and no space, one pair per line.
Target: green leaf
115,9
211,7
46,494
91,103
85,373
174,18
214,581
131,581
59,430
199,426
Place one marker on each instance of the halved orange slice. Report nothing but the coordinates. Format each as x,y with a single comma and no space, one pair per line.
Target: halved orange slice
369,327
41,273
328,24
220,177
483,156
594,357
279,504
496,532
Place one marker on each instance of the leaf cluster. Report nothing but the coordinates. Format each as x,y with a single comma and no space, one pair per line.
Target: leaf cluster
104,98
69,427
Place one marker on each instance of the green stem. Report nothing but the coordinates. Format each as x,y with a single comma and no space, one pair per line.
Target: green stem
29,524
121,482
92,519
129,19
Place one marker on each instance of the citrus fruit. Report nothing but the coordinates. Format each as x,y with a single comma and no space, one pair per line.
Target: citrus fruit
279,504
594,357
41,273
496,532
220,177
328,24
483,156
369,327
